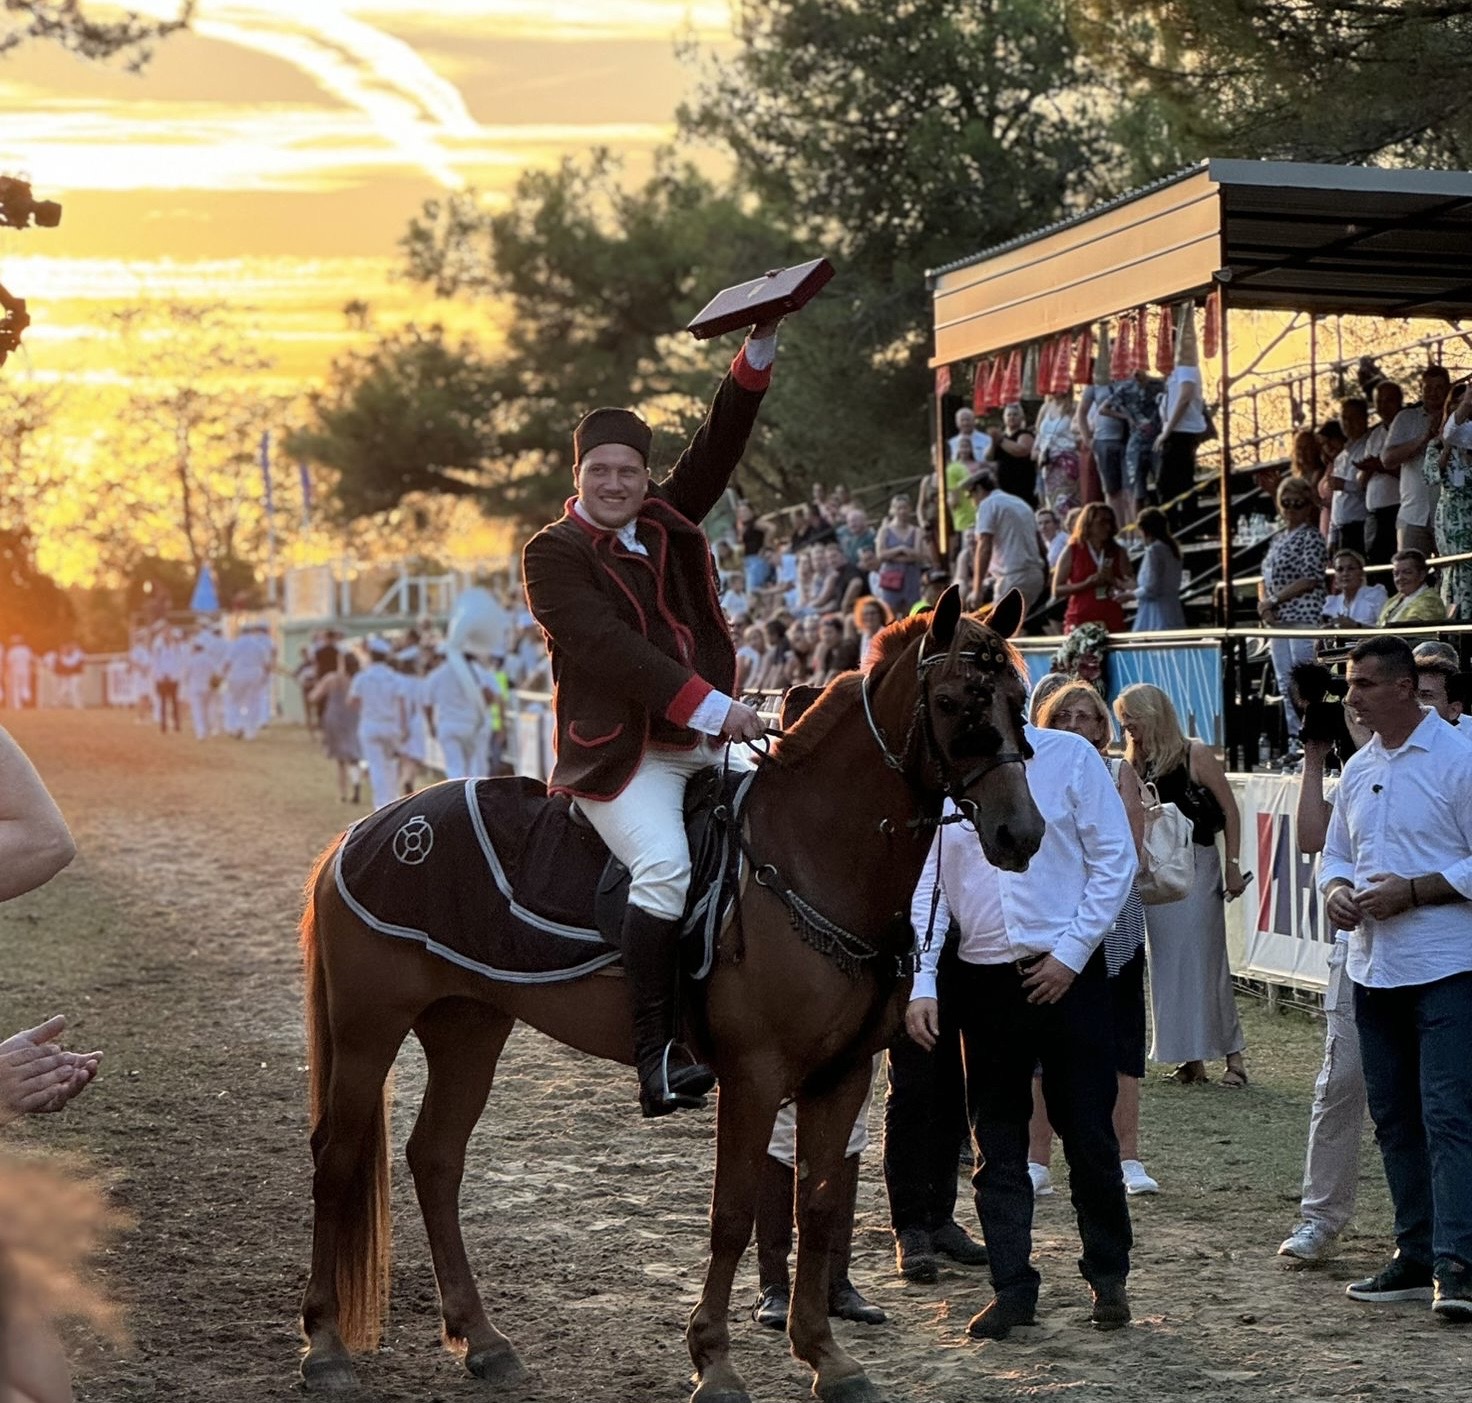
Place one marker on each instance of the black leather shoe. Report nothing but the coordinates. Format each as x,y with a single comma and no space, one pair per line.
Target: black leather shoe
997,1320
845,1302
953,1241
771,1306
1452,1286
914,1257
670,1079
1111,1306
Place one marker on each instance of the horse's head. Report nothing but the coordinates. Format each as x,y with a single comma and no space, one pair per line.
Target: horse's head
972,696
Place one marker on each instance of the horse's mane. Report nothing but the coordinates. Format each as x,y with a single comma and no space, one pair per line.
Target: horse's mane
889,645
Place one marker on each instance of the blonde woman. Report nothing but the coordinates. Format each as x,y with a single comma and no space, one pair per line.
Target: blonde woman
1077,707
1192,1008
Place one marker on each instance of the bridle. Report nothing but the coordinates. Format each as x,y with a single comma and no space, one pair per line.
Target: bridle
986,655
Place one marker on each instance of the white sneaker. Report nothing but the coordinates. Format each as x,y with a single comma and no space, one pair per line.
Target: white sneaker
1042,1179
1136,1181
1308,1242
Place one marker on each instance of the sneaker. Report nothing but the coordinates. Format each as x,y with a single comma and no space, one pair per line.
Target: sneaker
1136,1181
914,1257
1452,1301
1398,1280
1042,1179
1308,1242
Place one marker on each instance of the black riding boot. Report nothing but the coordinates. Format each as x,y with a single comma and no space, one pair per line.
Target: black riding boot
774,1191
670,1079
844,1299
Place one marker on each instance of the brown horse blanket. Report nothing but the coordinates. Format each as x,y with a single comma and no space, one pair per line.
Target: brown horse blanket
490,874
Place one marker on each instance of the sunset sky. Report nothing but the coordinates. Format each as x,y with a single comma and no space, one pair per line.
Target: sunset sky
273,154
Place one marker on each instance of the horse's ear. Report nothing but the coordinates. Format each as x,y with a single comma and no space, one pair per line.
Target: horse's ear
944,616
1006,617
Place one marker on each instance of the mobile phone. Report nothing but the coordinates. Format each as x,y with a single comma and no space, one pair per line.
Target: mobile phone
1221,891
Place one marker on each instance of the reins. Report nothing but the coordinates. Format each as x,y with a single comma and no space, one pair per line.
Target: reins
849,951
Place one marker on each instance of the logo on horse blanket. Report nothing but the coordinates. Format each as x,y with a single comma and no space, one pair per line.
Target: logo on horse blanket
412,843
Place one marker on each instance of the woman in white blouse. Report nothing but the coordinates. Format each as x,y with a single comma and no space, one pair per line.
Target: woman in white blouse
1353,601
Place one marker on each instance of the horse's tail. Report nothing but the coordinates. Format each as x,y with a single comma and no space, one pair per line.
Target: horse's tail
364,1228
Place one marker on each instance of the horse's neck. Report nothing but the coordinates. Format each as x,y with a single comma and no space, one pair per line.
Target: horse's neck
839,823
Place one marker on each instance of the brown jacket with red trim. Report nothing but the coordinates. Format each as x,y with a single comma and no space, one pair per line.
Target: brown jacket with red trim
637,642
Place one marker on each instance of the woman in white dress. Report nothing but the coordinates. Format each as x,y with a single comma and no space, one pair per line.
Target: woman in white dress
1353,603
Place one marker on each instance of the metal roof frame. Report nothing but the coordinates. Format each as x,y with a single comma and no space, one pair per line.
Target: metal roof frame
1280,235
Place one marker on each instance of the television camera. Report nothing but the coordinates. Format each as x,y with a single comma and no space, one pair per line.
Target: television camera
19,208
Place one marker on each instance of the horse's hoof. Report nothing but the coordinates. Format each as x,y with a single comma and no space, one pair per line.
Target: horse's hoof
333,1374
857,1389
706,1394
499,1366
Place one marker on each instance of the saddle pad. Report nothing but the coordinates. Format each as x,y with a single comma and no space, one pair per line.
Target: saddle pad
490,874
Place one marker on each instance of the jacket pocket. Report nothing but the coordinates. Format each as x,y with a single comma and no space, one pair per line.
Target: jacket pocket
590,741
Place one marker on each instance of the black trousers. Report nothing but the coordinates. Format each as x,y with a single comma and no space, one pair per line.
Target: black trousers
1380,534
1177,466
1003,1038
168,702
1348,536
924,1127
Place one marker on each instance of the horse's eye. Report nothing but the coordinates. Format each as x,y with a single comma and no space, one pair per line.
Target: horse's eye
948,706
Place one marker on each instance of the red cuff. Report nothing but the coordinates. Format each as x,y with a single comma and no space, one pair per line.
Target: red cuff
682,708
746,377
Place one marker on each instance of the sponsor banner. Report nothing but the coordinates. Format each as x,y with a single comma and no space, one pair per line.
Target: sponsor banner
1276,931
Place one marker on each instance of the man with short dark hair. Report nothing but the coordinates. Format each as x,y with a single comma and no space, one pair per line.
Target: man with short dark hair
644,669
1397,875
1008,551
1440,686
1347,512
1381,484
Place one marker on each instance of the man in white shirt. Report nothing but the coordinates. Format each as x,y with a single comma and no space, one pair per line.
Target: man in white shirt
1347,510
981,441
1028,986
1008,550
1415,432
377,693
1441,687
1397,875
1380,484
457,700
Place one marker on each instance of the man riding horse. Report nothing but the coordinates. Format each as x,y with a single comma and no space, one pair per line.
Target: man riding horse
623,586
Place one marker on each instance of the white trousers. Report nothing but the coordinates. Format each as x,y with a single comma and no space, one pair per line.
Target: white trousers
783,1144
463,753
1336,1125
1285,652
381,753
198,701
644,827
240,712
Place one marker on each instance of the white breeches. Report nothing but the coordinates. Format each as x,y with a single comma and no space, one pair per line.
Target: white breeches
198,699
783,1144
644,827
381,752
463,752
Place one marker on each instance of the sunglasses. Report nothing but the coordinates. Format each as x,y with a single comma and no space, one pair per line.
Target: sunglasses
1292,503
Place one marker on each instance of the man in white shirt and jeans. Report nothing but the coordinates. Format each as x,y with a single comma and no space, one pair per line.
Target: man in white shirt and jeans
1029,988
1008,549
1397,875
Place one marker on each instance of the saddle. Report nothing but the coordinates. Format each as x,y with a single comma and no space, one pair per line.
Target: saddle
497,877
713,802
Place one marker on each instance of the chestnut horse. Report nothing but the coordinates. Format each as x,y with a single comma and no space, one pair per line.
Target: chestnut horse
838,821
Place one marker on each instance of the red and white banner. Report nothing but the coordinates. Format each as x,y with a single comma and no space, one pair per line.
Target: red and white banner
1276,931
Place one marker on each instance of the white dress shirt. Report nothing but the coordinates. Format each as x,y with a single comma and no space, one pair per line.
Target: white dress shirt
1406,812
379,692
1072,890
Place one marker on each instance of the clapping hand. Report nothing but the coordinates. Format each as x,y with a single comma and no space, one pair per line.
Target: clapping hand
37,1075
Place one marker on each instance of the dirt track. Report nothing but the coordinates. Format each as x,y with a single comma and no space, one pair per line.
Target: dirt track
171,942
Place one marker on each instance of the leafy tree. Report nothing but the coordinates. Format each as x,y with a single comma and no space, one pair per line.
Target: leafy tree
413,413
31,603
68,23
1307,80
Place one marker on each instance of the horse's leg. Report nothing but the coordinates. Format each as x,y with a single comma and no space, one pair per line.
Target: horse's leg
343,1302
462,1040
823,1128
746,1107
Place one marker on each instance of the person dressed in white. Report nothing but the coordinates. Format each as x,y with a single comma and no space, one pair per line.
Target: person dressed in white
218,648
1029,987
18,660
383,720
68,670
247,670
199,671
457,695
1397,875
168,671
260,702
414,755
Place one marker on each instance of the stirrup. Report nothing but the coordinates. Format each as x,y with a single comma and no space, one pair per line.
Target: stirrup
687,1092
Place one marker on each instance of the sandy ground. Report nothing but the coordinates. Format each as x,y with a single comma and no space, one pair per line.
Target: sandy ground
171,942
